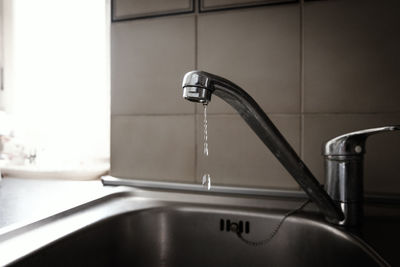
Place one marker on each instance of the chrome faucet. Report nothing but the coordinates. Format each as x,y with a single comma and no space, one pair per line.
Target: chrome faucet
198,86
342,201
344,157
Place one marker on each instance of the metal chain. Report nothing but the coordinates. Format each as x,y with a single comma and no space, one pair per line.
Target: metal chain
275,231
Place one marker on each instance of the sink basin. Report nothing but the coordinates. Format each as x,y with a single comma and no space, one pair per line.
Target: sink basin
184,229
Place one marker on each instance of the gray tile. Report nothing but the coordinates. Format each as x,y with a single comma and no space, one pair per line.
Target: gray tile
381,159
258,49
128,8
153,147
238,157
351,56
148,61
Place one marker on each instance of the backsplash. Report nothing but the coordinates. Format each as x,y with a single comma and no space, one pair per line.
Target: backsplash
319,69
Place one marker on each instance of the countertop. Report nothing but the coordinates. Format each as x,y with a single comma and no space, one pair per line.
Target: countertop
26,200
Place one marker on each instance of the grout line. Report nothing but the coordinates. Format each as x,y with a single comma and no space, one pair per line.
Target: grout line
238,115
301,25
196,147
196,37
196,33
153,115
302,79
351,113
396,113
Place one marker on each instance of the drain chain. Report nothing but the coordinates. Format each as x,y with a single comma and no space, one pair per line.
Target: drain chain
275,231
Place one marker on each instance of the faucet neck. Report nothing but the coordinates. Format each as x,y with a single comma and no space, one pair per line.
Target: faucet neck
259,122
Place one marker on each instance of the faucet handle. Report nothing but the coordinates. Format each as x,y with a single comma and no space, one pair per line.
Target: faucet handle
352,144
344,158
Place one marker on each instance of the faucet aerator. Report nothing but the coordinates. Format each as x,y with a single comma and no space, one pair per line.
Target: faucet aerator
197,94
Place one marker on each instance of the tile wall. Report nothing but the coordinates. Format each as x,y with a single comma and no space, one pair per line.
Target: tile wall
319,69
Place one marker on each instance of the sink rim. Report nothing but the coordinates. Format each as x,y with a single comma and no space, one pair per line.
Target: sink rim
22,241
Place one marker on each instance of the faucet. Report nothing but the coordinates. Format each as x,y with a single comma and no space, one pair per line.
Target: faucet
344,157
341,203
198,86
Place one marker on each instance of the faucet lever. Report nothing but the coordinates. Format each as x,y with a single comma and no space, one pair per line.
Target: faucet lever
344,157
353,143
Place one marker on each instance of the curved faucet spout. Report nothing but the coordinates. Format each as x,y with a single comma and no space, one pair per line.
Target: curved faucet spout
198,86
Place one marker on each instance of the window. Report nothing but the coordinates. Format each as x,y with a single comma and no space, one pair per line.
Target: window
57,81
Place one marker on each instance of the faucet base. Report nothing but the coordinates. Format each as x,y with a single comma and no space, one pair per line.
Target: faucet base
353,214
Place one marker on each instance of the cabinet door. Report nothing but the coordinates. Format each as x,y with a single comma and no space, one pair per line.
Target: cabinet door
209,5
136,9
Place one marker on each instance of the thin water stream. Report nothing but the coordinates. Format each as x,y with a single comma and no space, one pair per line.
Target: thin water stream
206,180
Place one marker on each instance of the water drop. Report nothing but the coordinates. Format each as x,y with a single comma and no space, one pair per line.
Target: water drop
206,181
205,149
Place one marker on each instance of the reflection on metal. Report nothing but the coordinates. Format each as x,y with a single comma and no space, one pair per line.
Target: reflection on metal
110,180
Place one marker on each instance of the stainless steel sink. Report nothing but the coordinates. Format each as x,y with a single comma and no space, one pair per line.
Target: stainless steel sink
156,228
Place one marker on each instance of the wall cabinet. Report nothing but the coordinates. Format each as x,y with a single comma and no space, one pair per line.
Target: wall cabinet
136,9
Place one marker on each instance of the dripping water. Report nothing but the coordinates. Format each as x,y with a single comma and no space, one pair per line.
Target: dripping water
206,180
205,134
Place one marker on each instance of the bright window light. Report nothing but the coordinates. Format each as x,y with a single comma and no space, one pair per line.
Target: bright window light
60,80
